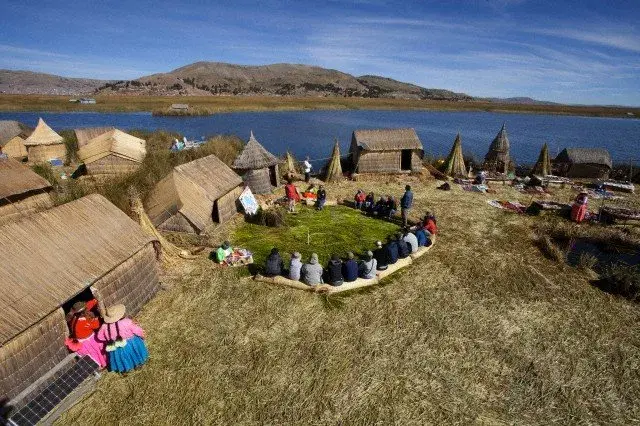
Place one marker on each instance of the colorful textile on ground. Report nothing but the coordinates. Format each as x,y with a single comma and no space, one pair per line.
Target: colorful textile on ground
513,206
249,202
475,188
239,257
125,358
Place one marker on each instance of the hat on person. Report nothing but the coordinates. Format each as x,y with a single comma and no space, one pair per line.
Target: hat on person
79,306
350,255
335,257
114,313
226,245
370,254
296,255
379,243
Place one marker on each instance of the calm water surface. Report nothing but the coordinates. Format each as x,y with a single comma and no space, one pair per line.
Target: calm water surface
312,132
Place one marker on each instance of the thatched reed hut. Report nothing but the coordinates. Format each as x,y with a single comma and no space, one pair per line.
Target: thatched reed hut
334,168
194,196
12,137
113,153
85,134
258,167
83,248
22,191
386,151
44,144
543,165
454,164
583,163
289,166
498,159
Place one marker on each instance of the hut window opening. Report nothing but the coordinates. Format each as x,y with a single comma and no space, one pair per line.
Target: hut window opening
215,214
273,177
405,159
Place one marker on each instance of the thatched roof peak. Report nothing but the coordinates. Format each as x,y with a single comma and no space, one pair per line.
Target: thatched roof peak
585,156
454,164
334,168
43,135
85,134
16,178
114,142
254,156
543,165
387,139
9,129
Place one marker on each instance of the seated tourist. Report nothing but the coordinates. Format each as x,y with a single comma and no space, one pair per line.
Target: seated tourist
369,202
429,224
380,208
223,251
359,199
350,268
403,248
322,198
421,236
295,266
274,264
368,266
334,271
311,273
392,207
411,240
381,257
392,250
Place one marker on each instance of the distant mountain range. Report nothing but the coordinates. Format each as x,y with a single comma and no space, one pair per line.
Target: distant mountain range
222,79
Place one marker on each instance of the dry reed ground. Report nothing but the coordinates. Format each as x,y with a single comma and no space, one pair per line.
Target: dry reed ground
483,329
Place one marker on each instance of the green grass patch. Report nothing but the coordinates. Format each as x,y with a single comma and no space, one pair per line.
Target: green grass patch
336,229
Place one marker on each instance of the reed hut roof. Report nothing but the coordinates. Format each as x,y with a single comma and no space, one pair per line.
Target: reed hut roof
543,165
499,148
387,139
585,156
254,156
43,135
289,165
114,142
51,256
16,178
454,165
86,134
9,129
192,188
334,168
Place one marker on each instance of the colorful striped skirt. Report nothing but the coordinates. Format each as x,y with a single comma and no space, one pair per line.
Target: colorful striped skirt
126,358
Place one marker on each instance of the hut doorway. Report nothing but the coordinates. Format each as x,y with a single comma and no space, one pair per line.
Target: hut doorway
273,176
215,213
405,159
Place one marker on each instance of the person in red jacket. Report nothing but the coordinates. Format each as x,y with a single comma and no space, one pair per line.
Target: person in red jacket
429,224
292,195
82,322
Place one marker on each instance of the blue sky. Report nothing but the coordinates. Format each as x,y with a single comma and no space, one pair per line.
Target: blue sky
574,52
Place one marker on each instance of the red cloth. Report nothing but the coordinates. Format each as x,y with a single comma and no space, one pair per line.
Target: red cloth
82,327
578,212
291,191
430,226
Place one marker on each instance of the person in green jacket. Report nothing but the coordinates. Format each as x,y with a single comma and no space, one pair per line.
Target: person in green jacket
223,251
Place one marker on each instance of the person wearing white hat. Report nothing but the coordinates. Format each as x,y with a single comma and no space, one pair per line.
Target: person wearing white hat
126,349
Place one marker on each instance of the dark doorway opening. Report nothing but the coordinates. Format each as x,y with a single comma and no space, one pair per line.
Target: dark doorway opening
215,213
405,159
273,175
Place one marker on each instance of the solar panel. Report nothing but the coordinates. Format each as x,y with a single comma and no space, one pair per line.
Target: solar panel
46,400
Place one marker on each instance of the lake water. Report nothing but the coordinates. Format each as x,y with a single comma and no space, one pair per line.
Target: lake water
312,132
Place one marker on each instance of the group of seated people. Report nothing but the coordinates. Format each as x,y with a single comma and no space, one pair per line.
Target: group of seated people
385,207
339,271
109,338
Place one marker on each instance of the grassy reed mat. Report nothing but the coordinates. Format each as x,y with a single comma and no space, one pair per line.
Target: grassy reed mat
483,330
335,229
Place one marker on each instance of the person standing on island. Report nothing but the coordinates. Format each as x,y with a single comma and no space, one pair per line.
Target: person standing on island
405,204
307,169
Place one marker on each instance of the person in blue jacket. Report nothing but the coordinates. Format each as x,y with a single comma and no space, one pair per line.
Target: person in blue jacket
350,269
403,247
405,204
392,251
421,236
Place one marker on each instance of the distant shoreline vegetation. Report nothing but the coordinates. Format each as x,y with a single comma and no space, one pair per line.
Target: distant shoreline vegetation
208,105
